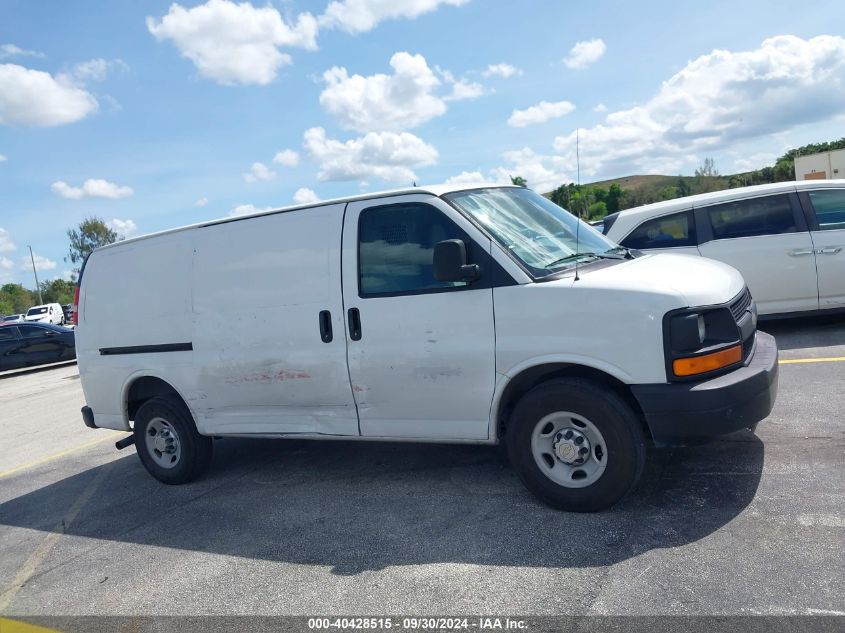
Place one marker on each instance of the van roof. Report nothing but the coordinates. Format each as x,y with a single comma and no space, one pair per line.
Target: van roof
433,190
702,199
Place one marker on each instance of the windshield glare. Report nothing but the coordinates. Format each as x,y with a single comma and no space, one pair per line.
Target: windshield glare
533,228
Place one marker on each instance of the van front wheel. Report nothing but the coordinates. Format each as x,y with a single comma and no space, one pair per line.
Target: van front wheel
168,443
576,444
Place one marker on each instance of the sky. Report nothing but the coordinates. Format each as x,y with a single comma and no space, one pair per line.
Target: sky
152,115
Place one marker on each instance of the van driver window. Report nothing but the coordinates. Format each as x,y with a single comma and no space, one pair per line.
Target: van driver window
396,248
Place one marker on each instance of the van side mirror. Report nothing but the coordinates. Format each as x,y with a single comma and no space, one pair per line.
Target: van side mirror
450,262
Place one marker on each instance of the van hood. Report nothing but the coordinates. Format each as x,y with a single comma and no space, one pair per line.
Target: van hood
695,281
37,317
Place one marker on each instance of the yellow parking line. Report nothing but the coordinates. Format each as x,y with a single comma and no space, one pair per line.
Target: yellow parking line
833,359
111,436
28,569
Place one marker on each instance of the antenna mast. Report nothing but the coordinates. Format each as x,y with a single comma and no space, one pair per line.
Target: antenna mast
577,211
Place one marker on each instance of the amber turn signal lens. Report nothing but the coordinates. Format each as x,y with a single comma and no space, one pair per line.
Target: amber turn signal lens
708,362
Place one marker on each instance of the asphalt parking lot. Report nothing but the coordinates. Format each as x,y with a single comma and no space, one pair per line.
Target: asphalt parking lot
745,525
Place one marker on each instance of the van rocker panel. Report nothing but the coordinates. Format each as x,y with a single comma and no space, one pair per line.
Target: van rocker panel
680,413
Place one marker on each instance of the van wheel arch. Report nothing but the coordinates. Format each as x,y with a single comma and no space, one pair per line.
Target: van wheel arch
529,378
145,388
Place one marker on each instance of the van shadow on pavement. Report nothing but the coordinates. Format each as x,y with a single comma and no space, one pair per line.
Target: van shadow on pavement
358,506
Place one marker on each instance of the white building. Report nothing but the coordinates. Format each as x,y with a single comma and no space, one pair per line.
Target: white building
822,166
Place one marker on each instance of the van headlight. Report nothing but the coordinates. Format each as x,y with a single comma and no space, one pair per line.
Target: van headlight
701,341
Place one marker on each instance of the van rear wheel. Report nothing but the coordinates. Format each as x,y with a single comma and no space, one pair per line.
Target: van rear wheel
576,444
168,443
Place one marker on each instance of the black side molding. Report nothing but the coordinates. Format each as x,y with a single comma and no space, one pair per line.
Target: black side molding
147,349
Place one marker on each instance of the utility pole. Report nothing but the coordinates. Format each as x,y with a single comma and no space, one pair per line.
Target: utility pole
37,286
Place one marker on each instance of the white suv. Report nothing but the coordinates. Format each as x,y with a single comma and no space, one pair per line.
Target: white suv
787,239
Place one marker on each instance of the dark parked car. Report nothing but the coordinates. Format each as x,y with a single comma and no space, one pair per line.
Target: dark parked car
27,344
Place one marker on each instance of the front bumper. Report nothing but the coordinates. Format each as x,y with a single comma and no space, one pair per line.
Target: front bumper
681,413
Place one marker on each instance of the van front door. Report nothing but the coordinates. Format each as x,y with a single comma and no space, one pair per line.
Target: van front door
421,352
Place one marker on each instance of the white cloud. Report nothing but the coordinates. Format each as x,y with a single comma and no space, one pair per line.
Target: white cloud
6,243
716,101
466,178
755,161
201,202
381,102
41,263
92,188
246,209
124,228
6,263
286,158
585,53
259,171
3,159
36,98
10,50
600,108
384,155
304,195
95,69
540,113
465,90
359,16
542,173
501,70
234,43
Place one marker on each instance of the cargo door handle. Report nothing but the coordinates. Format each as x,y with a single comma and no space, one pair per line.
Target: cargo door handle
803,251
326,326
354,324
829,251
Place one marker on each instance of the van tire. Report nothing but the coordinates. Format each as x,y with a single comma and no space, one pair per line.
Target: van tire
597,412
167,417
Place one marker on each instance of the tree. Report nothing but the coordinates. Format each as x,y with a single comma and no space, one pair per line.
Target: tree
683,187
90,234
519,181
57,291
708,169
614,195
16,299
596,211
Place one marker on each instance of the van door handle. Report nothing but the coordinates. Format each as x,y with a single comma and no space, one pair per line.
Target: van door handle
325,319
832,250
802,251
354,324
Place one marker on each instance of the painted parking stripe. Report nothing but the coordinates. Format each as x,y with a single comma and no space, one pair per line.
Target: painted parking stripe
59,455
832,359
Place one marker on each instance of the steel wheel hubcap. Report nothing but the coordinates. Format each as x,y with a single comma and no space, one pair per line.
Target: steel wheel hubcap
163,443
569,449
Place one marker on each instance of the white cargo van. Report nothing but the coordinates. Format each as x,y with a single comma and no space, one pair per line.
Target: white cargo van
436,314
47,313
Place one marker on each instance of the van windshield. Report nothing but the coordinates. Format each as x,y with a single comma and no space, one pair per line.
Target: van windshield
32,311
533,228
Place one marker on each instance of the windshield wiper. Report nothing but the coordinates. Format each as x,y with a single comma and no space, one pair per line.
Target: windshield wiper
571,257
609,254
625,253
